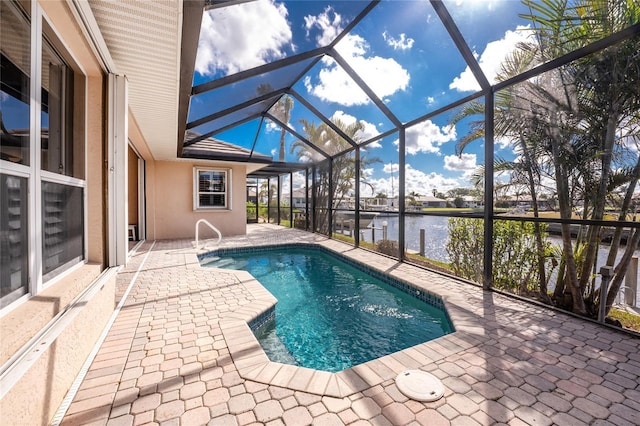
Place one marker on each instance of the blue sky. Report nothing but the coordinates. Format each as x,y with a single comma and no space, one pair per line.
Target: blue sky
401,50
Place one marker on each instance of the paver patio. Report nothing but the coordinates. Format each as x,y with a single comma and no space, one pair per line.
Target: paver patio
176,355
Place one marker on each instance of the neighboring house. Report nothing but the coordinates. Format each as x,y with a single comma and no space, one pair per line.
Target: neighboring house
526,202
101,162
429,201
299,198
379,203
471,202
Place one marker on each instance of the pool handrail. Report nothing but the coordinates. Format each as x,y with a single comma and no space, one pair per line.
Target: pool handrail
216,230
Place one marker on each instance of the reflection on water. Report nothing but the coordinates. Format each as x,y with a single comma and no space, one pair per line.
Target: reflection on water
436,234
437,237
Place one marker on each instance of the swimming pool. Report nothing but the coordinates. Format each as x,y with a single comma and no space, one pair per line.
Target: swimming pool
332,315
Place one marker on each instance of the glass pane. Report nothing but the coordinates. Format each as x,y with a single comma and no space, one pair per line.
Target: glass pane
330,89
285,201
275,140
14,247
245,90
242,135
57,138
318,133
212,200
62,227
211,181
464,246
441,163
236,117
270,31
273,200
404,54
299,203
15,62
344,173
565,147
527,245
379,178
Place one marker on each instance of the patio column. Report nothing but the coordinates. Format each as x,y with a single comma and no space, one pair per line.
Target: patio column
487,281
117,144
401,191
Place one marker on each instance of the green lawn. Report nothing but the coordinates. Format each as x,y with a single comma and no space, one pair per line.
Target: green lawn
629,321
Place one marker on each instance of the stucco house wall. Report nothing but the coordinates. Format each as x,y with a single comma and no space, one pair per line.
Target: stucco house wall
172,206
37,389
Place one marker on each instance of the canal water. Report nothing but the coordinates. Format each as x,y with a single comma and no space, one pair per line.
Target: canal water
437,237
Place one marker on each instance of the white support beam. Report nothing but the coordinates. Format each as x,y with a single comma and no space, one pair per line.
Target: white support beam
117,155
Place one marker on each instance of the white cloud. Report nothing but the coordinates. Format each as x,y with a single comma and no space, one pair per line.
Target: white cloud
335,85
391,168
466,163
299,182
503,143
368,131
423,183
492,58
242,36
384,75
427,137
402,43
272,126
328,22
415,181
430,100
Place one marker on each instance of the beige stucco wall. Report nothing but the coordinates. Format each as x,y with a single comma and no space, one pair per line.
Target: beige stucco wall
40,390
173,206
132,187
95,165
91,132
35,399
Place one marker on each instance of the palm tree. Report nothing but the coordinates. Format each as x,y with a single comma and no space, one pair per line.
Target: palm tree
340,169
604,92
565,123
510,122
282,111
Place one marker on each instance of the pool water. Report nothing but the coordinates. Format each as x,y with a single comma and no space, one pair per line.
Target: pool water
330,315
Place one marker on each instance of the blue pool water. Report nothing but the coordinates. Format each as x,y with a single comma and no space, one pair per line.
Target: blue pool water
331,315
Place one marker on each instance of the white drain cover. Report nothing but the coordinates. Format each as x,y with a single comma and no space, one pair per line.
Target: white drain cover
420,385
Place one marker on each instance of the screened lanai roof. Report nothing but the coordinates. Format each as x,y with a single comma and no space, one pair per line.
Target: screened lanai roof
267,73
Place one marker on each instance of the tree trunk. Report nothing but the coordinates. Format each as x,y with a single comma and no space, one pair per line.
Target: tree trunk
621,269
599,199
624,209
562,184
542,279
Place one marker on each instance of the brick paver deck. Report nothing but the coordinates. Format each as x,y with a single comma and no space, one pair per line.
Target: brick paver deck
179,354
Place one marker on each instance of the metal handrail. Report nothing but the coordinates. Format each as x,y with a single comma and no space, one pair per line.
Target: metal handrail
622,295
210,226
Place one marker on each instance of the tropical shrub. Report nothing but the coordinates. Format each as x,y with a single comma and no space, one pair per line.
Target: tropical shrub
388,247
515,254
251,209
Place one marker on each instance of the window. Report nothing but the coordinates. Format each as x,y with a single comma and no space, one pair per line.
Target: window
211,189
42,186
14,267
62,227
15,63
56,152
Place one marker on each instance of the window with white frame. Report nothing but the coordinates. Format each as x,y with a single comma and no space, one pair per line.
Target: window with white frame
42,170
212,188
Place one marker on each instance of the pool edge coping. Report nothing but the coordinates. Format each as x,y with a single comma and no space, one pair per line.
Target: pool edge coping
253,364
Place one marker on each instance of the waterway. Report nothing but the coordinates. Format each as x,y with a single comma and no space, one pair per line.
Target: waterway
437,237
